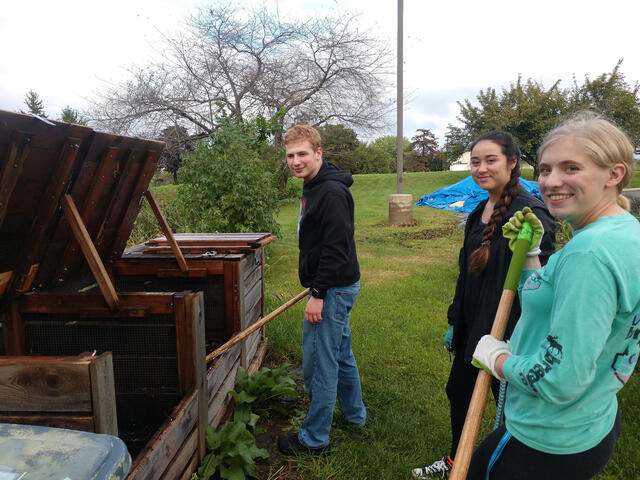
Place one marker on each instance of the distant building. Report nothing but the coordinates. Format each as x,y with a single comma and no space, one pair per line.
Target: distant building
462,163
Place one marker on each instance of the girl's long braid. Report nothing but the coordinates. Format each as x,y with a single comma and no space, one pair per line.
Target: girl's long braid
480,257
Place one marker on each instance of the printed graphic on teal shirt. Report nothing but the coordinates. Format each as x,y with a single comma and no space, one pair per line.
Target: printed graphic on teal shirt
552,355
624,363
533,282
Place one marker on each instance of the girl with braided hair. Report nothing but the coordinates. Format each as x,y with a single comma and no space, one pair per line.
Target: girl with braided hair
483,262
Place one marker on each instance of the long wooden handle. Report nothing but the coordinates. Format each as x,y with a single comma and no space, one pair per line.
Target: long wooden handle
249,330
479,398
483,382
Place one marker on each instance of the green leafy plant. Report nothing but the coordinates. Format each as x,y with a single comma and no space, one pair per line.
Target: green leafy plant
257,392
233,453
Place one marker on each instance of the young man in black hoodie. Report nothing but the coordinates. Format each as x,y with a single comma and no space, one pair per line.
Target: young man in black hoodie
329,267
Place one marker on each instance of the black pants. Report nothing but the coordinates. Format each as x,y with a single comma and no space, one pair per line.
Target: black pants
519,462
462,379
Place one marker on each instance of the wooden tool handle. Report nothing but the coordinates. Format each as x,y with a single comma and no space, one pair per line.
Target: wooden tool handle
483,382
249,330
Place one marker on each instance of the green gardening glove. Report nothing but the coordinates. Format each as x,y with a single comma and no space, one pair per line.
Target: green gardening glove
448,338
511,229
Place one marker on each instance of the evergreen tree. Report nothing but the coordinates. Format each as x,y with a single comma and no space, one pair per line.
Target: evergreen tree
34,104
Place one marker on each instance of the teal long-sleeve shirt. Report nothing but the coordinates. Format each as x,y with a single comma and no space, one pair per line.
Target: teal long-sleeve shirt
577,340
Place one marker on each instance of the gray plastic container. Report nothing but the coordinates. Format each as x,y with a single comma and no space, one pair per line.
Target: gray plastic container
29,452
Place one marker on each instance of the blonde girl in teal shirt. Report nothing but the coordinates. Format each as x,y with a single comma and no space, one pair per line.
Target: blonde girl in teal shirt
578,337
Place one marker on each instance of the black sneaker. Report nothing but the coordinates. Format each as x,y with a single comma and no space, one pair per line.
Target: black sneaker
290,445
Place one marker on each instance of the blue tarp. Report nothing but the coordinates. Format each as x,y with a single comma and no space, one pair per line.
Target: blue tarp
464,195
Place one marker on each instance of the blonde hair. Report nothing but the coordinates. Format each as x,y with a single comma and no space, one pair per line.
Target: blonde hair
303,132
603,142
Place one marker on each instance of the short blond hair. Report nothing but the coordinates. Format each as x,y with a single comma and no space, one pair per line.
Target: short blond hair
303,132
603,142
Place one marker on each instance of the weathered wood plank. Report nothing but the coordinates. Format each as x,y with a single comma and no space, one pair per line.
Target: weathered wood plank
231,321
219,369
46,210
13,165
93,304
131,211
146,266
55,384
13,330
185,456
164,225
90,253
71,422
99,181
103,394
154,459
219,399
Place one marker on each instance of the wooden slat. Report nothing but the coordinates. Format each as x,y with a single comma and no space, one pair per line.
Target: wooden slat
13,330
123,177
70,254
166,230
192,368
72,422
72,302
231,275
56,384
187,455
48,205
103,394
90,253
163,446
199,249
218,370
218,400
14,163
152,267
184,239
131,212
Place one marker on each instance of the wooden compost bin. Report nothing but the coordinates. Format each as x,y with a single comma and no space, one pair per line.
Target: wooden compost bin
68,199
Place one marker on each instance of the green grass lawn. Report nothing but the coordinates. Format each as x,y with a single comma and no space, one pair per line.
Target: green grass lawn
408,280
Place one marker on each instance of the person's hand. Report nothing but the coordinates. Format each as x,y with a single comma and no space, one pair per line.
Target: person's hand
487,352
313,310
448,338
511,229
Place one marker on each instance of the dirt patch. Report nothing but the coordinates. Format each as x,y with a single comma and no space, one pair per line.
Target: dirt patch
281,420
427,234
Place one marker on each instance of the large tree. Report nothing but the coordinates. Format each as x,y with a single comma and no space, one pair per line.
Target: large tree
425,156
254,62
340,146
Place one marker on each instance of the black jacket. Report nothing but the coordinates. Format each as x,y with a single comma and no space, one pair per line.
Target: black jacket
327,247
476,299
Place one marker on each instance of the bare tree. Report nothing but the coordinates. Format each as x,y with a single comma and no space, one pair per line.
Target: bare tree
253,63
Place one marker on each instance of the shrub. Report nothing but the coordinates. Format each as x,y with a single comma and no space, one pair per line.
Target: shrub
226,187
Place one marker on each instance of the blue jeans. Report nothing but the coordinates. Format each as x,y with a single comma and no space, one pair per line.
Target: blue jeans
330,369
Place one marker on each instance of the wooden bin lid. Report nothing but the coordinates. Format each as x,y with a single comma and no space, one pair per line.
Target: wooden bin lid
40,162
194,243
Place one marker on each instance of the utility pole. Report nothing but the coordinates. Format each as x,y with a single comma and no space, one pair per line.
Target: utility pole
400,204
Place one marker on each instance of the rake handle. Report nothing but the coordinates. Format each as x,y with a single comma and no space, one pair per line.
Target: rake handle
483,382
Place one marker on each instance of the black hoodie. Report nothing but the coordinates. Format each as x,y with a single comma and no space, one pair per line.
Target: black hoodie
325,236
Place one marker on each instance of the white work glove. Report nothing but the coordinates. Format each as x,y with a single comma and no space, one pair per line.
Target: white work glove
486,353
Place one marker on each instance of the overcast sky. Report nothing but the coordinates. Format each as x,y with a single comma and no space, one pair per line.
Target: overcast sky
68,50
